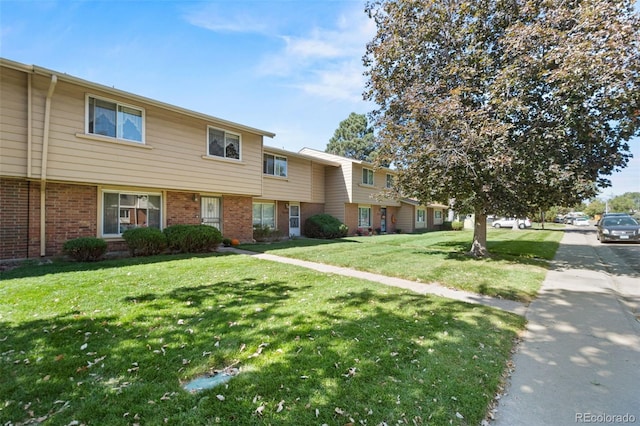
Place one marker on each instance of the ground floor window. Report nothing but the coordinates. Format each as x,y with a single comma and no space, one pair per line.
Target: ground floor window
364,217
122,211
421,216
264,214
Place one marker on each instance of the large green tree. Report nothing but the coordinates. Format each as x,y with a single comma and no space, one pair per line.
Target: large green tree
504,106
353,139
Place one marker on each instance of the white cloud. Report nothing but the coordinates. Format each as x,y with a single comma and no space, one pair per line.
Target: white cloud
325,62
345,82
213,18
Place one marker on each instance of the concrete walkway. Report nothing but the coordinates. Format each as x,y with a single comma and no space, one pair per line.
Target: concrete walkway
579,361
421,288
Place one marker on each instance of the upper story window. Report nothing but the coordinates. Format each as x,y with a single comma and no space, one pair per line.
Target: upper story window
389,182
223,144
115,120
275,165
367,176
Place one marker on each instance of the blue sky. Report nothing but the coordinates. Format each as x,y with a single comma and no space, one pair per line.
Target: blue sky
292,67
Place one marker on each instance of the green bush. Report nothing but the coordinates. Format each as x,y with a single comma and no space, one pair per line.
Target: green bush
193,238
85,249
261,232
145,241
457,225
324,226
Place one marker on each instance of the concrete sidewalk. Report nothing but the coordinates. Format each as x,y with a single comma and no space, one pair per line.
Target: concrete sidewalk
579,361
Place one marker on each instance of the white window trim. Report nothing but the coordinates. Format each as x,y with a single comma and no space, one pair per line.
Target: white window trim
372,177
118,103
226,132
368,207
424,215
103,191
276,156
389,181
275,212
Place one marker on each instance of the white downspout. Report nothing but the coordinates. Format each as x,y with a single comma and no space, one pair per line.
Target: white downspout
43,170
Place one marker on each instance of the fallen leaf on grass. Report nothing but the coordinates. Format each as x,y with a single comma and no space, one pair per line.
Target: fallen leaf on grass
280,406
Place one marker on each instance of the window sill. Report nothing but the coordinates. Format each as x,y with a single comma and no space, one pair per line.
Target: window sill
226,160
268,176
112,140
366,185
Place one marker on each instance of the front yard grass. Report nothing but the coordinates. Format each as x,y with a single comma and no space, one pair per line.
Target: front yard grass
515,270
112,343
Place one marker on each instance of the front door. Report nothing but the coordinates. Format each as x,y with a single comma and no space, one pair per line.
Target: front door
294,220
383,220
210,211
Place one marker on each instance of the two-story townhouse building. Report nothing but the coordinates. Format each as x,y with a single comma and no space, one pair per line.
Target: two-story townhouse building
293,190
355,196
82,159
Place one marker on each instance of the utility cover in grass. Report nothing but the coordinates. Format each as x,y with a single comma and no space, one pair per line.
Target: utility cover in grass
209,381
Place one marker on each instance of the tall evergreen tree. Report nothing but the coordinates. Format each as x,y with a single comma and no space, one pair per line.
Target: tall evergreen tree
353,139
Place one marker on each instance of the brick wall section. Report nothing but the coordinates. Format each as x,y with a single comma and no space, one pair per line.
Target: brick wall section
392,213
237,218
14,218
351,217
307,210
282,221
34,220
182,209
71,213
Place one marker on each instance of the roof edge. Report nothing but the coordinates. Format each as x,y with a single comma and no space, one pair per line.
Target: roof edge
86,83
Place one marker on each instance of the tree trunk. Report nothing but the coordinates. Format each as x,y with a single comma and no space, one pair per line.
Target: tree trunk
479,246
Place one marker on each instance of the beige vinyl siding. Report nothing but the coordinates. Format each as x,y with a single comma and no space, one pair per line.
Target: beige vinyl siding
367,194
13,123
317,183
405,218
170,158
297,186
336,193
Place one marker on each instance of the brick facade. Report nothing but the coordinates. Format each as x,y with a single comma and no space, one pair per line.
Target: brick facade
183,208
237,218
14,218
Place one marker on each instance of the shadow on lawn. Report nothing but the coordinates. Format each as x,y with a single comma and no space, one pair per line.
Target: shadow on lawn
536,253
366,351
33,269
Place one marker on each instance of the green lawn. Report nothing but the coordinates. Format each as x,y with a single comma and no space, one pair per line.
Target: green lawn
515,270
113,342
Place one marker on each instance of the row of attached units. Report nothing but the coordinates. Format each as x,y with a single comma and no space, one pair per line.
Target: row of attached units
82,159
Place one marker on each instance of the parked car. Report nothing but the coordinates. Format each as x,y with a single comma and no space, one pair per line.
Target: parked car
570,217
508,222
614,215
581,221
618,228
